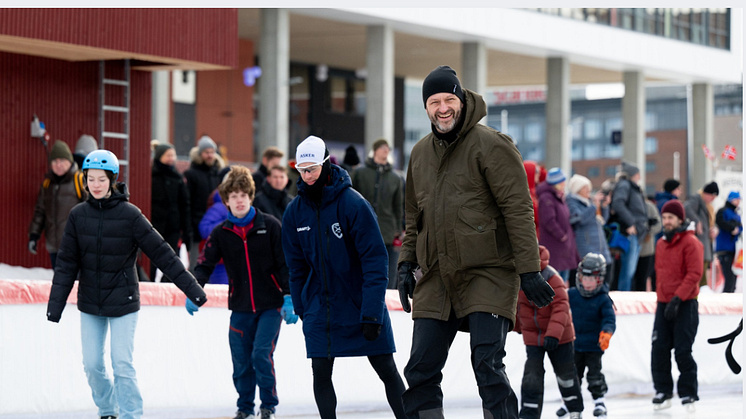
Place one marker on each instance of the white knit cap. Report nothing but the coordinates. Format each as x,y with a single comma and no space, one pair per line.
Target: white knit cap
577,182
311,150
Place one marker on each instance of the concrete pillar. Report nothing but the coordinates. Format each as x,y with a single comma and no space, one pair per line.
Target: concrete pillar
558,142
379,86
702,134
474,68
633,121
274,60
161,107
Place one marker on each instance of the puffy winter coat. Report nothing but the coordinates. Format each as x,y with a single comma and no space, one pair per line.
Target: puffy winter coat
57,196
591,315
697,210
727,219
589,232
678,266
216,214
271,201
555,231
554,320
101,241
383,188
170,211
258,276
628,207
201,181
470,223
338,270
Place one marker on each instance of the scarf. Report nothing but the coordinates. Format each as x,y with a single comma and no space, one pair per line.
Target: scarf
242,222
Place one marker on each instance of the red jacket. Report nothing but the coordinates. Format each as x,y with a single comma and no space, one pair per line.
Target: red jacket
678,266
553,320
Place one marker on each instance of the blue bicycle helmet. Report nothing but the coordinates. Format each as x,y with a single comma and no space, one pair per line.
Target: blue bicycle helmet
104,160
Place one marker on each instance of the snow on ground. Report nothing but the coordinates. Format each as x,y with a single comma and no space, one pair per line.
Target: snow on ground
714,404
18,272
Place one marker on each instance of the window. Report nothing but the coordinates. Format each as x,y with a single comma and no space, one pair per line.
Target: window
593,129
592,151
515,131
650,167
651,145
611,171
577,152
613,151
651,121
612,124
593,171
577,128
534,153
534,132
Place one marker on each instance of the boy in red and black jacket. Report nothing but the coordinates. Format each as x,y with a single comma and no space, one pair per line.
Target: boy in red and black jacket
250,244
548,330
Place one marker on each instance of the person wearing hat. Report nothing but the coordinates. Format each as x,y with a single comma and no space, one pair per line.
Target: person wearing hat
630,211
678,267
730,226
699,209
587,226
470,229
202,177
351,160
170,208
671,190
61,190
338,269
384,189
555,230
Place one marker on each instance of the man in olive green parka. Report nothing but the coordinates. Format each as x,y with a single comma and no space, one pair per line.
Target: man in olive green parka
470,228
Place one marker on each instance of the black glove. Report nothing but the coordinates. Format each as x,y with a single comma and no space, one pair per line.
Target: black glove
550,343
672,308
33,241
406,284
371,331
536,289
652,222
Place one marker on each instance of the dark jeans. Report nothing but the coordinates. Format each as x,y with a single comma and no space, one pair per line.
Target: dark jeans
644,267
253,338
596,380
532,386
431,340
678,335
726,264
393,272
326,398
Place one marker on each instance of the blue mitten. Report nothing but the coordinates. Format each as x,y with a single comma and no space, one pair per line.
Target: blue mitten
287,312
191,307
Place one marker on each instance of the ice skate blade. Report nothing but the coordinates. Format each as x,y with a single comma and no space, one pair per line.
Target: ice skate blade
660,406
690,408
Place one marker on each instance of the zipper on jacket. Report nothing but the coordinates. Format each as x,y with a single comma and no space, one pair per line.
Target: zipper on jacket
248,267
326,286
98,255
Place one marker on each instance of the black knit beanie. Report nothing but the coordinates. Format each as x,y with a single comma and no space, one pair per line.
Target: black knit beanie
351,158
711,188
670,185
441,80
160,149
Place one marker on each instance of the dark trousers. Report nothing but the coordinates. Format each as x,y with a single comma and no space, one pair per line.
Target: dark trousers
726,264
326,398
431,340
596,380
253,338
644,267
532,386
678,335
393,272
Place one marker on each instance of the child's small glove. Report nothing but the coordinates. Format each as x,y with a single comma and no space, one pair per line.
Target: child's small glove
603,340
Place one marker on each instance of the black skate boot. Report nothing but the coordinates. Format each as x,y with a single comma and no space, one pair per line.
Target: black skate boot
662,401
688,403
599,410
562,412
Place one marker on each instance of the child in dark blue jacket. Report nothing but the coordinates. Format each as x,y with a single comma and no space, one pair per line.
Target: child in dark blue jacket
250,244
594,320
729,223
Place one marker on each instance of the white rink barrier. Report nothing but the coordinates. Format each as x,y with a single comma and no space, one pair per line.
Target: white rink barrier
184,362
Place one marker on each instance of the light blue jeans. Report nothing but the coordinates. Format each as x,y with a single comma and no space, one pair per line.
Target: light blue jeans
629,264
122,397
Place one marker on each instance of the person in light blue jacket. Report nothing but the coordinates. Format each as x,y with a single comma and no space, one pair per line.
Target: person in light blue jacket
588,227
338,267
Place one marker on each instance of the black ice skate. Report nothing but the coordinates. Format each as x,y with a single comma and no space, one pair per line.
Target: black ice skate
562,412
662,401
688,403
599,410
267,414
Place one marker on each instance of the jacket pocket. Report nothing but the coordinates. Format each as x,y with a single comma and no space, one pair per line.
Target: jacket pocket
421,246
475,239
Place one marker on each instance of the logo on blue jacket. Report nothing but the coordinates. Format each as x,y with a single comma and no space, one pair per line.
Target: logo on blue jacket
337,230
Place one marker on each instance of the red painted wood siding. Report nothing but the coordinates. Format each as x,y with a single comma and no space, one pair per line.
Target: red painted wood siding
65,97
203,35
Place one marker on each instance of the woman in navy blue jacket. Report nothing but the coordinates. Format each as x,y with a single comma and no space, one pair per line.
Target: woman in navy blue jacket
338,276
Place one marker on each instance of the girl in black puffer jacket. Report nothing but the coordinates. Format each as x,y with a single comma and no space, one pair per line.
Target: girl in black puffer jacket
100,242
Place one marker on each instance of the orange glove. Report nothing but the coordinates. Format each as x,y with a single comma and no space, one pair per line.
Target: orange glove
603,340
